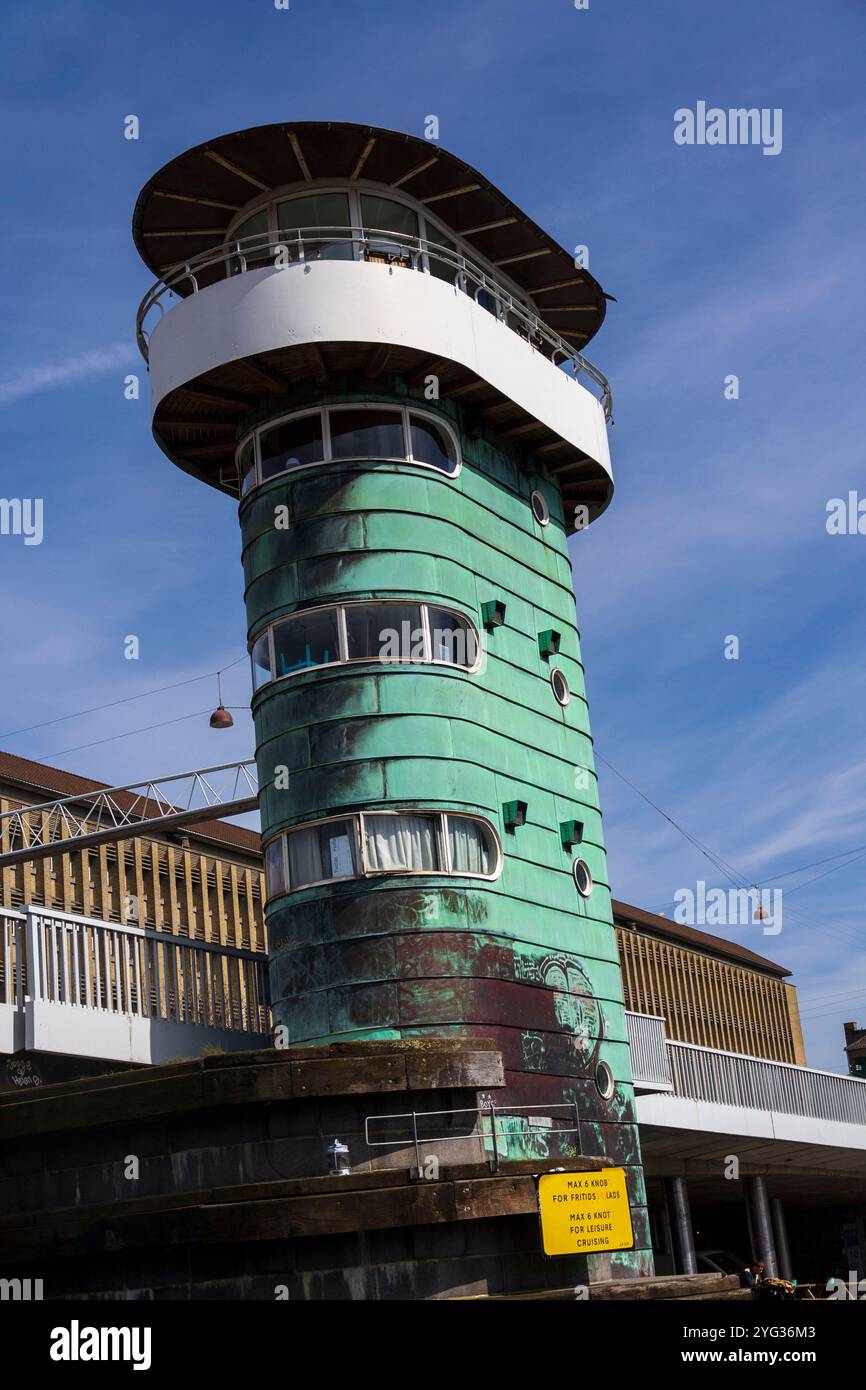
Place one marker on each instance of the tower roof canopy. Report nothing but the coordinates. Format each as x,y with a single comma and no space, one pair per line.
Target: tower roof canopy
187,207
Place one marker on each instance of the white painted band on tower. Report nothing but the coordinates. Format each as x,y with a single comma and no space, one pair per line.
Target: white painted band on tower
269,309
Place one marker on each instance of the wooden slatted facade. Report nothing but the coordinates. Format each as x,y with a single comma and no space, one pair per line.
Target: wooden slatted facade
204,882
711,992
207,883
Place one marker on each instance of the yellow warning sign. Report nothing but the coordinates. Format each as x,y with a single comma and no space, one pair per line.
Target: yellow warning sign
582,1213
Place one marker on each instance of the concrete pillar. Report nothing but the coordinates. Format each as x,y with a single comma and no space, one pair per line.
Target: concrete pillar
677,1196
780,1231
760,1223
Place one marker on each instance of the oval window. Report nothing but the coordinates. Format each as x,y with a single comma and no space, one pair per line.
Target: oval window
540,509
604,1081
582,877
559,685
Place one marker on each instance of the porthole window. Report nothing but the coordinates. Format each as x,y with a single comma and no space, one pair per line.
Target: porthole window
582,877
336,434
381,631
604,1081
540,509
370,843
559,685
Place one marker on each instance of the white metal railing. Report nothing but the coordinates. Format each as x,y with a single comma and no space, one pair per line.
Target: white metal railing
731,1078
12,971
727,1078
493,1128
110,968
372,245
650,1063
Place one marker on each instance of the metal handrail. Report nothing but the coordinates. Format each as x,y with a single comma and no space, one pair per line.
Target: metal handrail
713,1074
96,966
650,1060
396,247
757,1083
487,1109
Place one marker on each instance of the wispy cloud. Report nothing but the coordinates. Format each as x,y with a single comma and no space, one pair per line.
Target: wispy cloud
28,381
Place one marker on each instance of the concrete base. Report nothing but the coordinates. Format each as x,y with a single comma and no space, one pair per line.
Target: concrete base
210,1179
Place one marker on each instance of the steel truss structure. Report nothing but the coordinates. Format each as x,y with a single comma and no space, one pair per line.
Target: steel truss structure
120,813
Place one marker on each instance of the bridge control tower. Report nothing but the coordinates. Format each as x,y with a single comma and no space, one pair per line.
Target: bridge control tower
379,357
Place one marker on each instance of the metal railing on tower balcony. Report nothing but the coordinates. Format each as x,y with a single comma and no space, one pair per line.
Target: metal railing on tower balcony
372,246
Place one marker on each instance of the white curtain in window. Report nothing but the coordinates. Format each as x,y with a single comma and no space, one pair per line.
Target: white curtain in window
470,852
398,843
305,859
340,850
322,852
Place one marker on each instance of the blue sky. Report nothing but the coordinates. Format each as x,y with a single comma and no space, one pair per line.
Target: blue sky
722,261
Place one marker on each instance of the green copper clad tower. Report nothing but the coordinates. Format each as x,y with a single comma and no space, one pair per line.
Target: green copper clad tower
378,354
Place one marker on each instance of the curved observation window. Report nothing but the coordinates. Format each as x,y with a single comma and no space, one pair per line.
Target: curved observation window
370,843
389,434
328,211
256,252
382,630
376,226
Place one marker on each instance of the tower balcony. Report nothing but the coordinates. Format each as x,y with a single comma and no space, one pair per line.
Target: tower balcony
244,322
